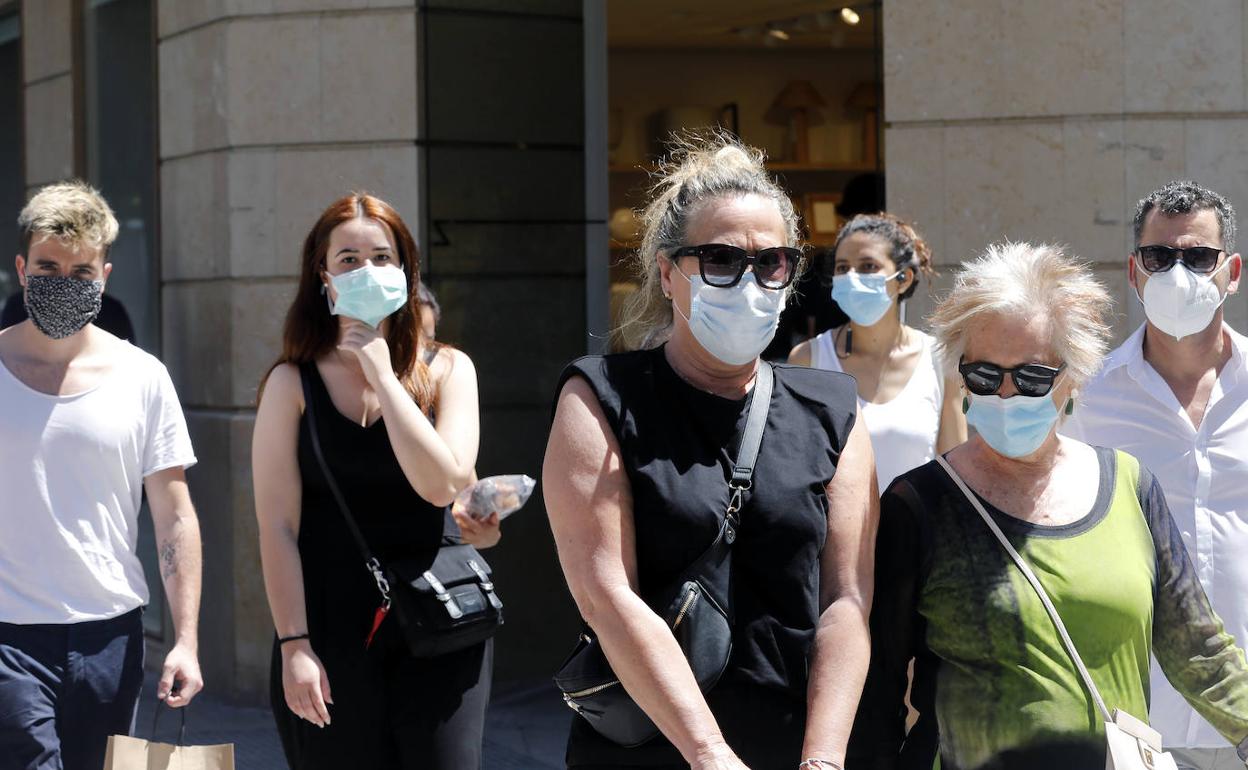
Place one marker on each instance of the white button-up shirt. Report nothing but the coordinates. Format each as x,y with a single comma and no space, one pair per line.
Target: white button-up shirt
1204,473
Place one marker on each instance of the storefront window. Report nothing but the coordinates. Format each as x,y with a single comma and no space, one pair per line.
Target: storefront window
119,110
118,79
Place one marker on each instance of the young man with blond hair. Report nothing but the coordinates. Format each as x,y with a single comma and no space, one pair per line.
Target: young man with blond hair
88,422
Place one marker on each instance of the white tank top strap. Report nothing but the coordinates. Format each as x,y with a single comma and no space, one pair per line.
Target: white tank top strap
823,352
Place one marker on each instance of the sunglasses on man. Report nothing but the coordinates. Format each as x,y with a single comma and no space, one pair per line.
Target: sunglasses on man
722,266
1159,259
985,379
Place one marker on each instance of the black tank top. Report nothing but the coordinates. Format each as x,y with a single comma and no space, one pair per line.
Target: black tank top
678,444
339,592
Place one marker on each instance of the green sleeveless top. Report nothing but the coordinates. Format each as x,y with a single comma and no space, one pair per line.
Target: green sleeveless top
989,663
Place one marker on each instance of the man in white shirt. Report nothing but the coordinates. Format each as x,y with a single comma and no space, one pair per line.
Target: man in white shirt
1175,395
87,421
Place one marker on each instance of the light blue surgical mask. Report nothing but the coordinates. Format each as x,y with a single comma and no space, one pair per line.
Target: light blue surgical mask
863,296
734,324
369,293
1015,426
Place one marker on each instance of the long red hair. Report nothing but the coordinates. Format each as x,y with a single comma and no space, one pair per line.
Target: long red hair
311,331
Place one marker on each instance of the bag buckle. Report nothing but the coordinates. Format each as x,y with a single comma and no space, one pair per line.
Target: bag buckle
486,585
440,593
383,585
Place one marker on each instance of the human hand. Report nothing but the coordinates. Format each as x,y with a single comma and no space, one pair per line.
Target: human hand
180,678
305,683
479,533
369,347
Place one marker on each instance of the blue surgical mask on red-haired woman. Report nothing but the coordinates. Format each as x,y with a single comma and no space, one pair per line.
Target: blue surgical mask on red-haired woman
369,293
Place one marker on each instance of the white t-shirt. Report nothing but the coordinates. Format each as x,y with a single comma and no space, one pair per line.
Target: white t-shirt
904,429
71,480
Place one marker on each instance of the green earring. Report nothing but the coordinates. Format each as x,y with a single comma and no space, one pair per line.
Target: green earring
966,405
1070,406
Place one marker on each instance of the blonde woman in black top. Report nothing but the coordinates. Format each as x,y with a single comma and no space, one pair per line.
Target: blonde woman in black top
635,485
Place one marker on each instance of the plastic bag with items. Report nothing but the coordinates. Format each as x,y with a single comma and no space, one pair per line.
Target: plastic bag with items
502,494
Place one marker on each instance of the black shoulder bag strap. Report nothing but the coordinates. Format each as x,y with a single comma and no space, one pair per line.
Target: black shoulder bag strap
370,561
747,454
712,567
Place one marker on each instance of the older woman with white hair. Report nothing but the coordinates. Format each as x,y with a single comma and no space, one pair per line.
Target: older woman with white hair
1025,327
648,483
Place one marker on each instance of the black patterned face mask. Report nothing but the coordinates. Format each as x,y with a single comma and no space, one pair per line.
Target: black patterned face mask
59,305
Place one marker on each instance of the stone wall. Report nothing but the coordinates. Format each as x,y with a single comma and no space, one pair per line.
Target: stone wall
47,69
268,112
1048,121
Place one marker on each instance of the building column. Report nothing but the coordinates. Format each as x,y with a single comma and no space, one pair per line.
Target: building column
1048,121
47,69
261,127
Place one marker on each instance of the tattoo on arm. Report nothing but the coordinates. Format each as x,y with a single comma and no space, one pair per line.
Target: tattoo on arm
168,559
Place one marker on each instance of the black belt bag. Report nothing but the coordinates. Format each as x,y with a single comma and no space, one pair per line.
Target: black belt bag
444,598
697,607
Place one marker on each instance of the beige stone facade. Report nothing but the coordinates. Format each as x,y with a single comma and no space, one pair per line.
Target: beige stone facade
1048,121
258,132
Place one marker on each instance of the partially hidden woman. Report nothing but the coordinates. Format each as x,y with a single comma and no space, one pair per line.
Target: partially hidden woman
1025,327
354,333
636,474
911,412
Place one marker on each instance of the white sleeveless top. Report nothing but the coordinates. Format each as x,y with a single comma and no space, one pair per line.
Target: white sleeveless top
903,430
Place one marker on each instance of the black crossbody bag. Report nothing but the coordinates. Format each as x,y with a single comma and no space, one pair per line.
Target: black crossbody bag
697,607
444,599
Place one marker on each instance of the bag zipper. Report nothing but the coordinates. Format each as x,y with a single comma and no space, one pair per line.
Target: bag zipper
568,697
689,600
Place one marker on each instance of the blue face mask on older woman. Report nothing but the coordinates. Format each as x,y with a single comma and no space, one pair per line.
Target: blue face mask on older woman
1015,426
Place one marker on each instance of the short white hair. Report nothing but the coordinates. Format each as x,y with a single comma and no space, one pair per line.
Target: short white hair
1026,280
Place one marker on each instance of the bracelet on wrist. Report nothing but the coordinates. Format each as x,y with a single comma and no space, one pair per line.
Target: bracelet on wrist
284,639
814,763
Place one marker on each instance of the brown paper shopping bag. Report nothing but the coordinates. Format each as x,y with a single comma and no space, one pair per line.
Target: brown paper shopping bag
126,753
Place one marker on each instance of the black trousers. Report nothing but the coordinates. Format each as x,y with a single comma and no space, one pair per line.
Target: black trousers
391,711
64,688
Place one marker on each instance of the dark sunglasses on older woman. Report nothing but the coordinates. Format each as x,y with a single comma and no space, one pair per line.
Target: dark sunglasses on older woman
722,265
985,379
1159,259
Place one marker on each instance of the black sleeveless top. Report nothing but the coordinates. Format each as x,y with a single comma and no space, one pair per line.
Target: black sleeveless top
677,444
339,592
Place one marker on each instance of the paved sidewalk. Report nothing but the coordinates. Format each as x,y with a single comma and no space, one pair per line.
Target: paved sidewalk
526,728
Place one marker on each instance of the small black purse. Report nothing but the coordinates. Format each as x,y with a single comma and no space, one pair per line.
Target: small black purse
697,607
444,598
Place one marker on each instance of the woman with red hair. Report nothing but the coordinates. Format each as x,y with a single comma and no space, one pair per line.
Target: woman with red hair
345,690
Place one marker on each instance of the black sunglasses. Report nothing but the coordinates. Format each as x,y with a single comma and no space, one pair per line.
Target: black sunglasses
985,379
1159,259
722,265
